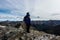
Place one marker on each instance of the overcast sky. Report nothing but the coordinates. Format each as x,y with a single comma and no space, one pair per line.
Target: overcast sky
39,9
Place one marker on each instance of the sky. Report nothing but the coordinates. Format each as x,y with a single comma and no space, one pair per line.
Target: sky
15,10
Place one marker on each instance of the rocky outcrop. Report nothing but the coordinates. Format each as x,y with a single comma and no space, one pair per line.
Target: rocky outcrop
12,33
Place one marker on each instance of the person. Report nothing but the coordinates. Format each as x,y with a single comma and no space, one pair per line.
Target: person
27,21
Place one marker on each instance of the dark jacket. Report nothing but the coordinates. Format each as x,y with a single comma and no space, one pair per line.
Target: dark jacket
27,20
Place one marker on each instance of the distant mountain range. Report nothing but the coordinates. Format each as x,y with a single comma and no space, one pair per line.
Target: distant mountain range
51,26
49,22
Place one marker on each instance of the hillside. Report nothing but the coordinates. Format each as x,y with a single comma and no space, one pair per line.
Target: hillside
12,33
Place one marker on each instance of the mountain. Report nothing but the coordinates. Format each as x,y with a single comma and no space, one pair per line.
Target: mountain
13,33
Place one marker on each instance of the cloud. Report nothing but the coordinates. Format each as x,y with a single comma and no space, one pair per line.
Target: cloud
55,14
10,17
12,9
42,8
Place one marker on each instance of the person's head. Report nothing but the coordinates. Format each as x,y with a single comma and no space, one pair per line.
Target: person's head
27,14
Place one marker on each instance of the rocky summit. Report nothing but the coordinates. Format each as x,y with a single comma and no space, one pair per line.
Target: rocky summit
12,33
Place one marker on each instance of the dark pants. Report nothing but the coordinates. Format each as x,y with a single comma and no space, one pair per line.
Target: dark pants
27,28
